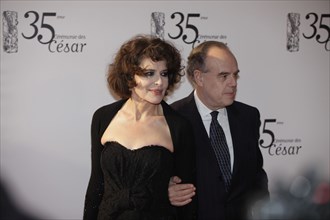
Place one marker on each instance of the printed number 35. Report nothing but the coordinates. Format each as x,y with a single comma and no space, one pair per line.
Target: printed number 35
188,26
43,25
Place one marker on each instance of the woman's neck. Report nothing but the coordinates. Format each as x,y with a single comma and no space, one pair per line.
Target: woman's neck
140,110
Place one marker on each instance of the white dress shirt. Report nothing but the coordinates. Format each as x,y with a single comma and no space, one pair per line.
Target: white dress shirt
205,113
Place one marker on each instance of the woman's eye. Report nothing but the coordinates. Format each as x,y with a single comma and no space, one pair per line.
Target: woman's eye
148,73
165,74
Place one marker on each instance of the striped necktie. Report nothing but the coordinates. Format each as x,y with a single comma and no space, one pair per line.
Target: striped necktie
220,147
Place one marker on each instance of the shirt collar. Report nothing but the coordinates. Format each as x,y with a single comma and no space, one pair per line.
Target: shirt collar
204,111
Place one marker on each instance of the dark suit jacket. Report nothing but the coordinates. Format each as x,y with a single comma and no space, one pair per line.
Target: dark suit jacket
184,156
249,180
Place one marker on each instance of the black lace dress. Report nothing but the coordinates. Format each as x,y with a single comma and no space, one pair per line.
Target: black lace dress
136,183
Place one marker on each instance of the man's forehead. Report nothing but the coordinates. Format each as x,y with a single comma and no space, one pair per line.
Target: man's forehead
220,58
218,52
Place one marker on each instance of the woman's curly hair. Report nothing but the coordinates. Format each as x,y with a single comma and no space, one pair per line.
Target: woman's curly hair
126,63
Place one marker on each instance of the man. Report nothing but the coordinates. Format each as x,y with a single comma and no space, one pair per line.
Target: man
213,70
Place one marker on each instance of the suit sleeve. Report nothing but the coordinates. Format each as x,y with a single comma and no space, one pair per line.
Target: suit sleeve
261,182
185,167
95,186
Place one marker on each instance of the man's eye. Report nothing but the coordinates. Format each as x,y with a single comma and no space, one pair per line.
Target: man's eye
236,76
224,76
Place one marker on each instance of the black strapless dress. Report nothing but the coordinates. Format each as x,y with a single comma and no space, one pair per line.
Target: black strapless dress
136,183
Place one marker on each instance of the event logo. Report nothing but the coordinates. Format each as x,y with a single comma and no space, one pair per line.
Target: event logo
157,24
40,27
183,27
9,31
278,146
319,30
292,33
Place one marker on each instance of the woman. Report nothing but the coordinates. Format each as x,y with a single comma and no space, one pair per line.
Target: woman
139,142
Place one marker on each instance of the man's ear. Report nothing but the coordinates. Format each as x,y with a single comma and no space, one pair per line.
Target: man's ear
198,76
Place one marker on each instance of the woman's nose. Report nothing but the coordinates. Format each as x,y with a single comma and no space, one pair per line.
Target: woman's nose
159,80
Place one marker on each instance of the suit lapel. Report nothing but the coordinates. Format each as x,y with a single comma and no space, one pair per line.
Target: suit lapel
203,144
234,130
236,134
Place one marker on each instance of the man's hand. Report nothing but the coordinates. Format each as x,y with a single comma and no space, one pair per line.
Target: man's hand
180,194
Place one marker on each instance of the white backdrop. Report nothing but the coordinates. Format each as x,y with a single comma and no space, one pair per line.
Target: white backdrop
49,91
